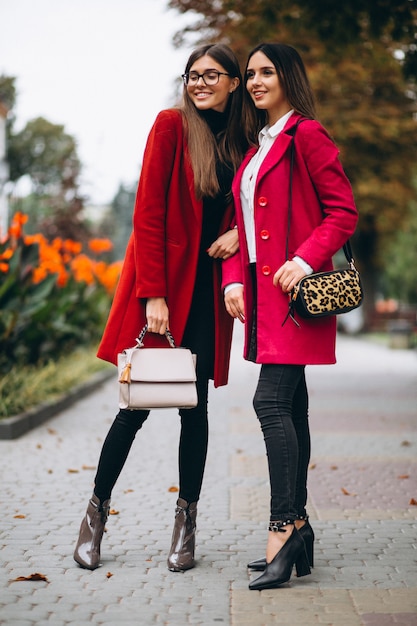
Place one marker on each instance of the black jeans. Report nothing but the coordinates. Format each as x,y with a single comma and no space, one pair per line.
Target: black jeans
281,404
199,337
191,455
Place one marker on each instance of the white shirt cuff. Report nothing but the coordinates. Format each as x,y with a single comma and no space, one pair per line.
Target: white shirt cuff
232,286
305,266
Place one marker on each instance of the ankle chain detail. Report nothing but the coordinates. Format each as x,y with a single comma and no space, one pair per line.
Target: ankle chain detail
303,518
279,527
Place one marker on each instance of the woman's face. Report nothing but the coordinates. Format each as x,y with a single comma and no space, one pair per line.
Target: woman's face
211,96
264,87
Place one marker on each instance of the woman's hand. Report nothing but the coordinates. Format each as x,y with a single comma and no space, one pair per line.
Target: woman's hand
157,315
288,276
225,246
234,303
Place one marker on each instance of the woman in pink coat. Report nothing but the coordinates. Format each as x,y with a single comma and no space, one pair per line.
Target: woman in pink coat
259,279
171,278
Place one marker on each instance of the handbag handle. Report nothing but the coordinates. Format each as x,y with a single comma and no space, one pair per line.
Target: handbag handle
125,375
347,248
143,332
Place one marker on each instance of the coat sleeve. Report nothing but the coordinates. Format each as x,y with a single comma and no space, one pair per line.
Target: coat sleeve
149,217
334,192
232,270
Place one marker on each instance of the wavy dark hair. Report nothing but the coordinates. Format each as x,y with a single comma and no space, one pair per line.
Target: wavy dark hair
202,146
292,76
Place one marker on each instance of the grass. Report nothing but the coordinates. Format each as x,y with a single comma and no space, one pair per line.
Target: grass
23,388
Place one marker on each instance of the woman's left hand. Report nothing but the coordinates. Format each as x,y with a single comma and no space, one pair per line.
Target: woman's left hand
225,246
288,276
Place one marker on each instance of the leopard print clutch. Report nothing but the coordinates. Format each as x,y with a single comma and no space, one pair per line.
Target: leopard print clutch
328,293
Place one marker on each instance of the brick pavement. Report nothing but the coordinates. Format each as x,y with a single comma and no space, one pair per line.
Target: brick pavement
362,478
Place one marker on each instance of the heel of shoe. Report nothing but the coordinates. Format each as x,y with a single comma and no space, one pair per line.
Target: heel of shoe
307,534
309,544
301,565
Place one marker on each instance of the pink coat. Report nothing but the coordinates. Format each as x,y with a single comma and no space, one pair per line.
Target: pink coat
162,253
324,216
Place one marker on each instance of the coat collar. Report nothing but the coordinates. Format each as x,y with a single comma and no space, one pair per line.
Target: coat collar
279,147
277,151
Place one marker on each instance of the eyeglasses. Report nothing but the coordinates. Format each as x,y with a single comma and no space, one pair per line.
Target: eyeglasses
211,77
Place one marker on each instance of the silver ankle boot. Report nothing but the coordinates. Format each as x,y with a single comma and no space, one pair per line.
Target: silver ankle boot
87,550
181,554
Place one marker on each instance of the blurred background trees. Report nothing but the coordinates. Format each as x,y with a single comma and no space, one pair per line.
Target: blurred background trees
45,156
57,278
362,62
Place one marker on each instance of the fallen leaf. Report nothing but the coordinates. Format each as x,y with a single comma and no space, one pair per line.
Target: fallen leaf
20,516
88,467
312,466
334,467
35,576
113,512
413,502
128,490
51,431
50,471
405,443
346,492
109,575
403,476
173,489
39,446
73,471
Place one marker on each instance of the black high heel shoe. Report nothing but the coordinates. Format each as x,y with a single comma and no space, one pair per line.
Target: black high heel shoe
278,571
307,533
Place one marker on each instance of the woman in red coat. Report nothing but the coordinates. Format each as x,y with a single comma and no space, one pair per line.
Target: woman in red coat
171,278
259,279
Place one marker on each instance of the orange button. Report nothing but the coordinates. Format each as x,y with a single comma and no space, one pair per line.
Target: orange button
264,234
263,201
266,270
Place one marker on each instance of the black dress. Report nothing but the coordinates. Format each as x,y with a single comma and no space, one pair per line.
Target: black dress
199,331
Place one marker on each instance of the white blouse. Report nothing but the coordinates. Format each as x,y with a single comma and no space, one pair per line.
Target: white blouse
267,137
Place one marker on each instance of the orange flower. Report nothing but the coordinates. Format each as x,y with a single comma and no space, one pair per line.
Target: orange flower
108,275
5,256
50,260
36,238
71,246
39,274
62,279
15,229
100,245
83,269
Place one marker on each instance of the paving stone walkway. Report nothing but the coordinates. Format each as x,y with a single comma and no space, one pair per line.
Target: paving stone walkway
363,476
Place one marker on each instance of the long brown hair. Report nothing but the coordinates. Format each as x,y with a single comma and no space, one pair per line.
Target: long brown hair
292,76
203,148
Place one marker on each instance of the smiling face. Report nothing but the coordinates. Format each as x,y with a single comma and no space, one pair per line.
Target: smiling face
264,87
204,96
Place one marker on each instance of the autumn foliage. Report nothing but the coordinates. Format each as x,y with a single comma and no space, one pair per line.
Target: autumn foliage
53,294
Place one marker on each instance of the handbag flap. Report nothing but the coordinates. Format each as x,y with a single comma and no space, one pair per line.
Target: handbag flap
157,365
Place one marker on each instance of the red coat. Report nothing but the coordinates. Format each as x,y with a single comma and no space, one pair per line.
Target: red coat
162,253
324,216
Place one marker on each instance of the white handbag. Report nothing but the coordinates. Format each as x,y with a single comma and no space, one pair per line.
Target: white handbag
156,378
